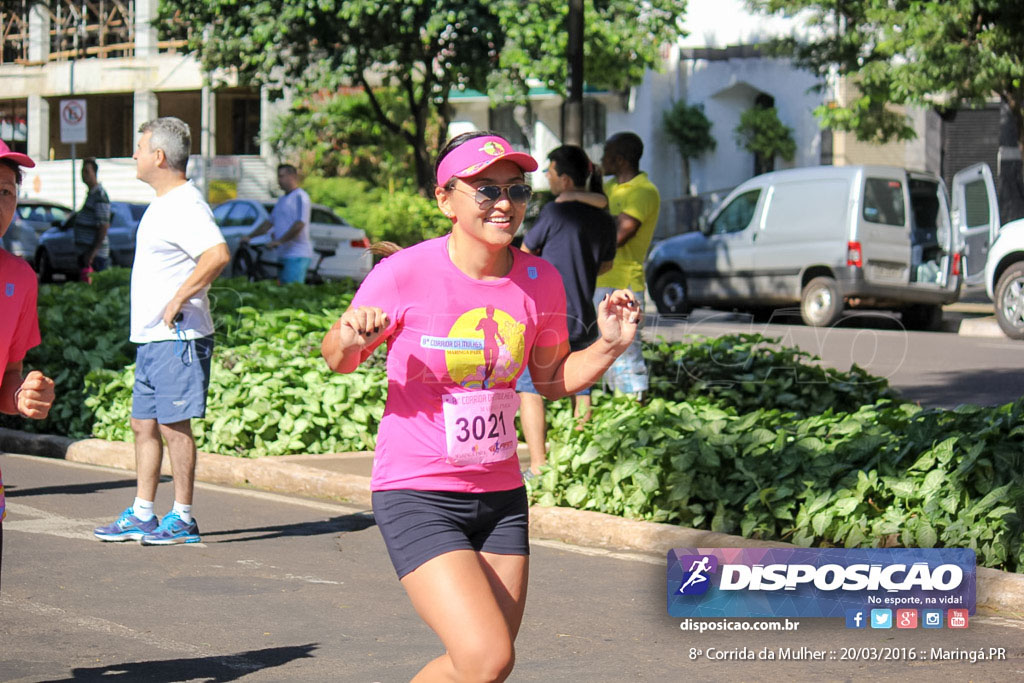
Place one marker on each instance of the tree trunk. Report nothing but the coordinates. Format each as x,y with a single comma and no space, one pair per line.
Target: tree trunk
1011,173
686,177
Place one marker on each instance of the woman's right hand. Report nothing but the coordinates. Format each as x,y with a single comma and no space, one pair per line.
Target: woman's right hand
35,396
366,323
357,329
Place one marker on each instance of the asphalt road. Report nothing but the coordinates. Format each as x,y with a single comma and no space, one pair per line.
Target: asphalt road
940,369
286,589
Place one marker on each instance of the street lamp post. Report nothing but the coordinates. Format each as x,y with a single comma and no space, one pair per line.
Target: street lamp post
574,105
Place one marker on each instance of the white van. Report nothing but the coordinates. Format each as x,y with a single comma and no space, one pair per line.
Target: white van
831,237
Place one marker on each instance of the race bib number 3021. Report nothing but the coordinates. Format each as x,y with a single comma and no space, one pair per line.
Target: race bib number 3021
479,426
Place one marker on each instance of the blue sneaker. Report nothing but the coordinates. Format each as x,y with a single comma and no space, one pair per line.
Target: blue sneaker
172,530
128,527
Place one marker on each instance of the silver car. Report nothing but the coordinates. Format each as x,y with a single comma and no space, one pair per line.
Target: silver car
328,232
827,238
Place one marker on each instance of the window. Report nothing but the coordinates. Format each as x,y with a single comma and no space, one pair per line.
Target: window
736,216
503,122
883,201
245,125
120,216
976,209
242,214
137,210
221,212
324,216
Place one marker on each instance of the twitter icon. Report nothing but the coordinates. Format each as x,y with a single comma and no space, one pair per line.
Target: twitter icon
881,618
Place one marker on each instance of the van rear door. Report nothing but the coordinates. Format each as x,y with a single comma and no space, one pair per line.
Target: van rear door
975,217
882,228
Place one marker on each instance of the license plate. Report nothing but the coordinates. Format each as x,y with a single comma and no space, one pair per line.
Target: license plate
888,272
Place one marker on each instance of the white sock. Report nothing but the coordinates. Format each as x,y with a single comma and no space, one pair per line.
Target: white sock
184,511
143,509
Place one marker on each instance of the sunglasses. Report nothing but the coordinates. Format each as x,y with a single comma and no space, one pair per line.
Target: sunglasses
488,195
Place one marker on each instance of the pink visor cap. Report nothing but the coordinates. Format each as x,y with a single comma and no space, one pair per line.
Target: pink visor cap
16,157
476,154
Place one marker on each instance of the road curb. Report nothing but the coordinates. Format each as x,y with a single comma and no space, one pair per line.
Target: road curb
999,593
980,327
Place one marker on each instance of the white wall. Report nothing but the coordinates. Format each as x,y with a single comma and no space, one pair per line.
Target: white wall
720,23
727,89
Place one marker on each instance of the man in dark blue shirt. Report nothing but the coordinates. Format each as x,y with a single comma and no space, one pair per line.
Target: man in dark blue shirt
91,223
579,240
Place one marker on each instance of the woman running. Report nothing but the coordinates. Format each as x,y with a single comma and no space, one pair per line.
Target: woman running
448,495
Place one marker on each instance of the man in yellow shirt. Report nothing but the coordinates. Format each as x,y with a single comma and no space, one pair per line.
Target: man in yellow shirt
634,203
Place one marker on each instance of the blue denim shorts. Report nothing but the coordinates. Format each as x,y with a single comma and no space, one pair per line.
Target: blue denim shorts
293,269
628,373
417,526
171,380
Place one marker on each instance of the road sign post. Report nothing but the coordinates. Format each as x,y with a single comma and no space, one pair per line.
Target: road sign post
73,130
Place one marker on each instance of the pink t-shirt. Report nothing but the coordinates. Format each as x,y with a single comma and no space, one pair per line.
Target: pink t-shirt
19,326
448,334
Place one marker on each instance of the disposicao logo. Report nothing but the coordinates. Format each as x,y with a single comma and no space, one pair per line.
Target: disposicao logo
818,582
696,581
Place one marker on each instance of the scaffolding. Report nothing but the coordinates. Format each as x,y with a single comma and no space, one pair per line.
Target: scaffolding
77,29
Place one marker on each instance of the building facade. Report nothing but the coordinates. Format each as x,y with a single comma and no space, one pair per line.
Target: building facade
107,56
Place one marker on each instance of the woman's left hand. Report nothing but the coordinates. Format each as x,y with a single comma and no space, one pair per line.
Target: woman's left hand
618,318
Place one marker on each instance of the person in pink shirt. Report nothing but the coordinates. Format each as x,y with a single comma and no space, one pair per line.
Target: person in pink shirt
29,396
462,316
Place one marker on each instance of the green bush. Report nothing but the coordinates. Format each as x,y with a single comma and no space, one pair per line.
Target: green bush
885,475
749,371
740,435
85,329
269,397
400,216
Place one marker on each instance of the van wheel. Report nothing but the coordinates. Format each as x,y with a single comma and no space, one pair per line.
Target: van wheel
1010,301
922,317
821,304
669,293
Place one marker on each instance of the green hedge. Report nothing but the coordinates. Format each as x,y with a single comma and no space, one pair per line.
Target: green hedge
888,474
740,435
390,214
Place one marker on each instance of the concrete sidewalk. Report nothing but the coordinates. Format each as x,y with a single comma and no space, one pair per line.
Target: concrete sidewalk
346,477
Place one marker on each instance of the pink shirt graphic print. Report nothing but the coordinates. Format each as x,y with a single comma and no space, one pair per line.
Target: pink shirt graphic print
452,334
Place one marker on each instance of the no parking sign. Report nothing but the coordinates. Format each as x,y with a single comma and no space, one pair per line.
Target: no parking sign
72,121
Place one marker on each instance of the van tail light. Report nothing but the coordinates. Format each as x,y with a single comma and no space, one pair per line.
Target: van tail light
956,263
854,256
363,243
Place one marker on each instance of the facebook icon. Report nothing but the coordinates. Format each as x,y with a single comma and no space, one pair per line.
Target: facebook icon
855,618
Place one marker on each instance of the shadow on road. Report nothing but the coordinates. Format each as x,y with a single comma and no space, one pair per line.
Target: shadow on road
987,388
354,522
213,669
68,489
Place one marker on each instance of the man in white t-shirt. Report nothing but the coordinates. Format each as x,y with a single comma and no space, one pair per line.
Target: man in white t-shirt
179,251
289,227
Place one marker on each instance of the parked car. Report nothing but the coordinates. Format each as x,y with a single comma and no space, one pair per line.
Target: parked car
56,252
31,220
828,238
1004,278
239,217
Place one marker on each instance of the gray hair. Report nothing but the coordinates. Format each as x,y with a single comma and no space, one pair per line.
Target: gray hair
173,136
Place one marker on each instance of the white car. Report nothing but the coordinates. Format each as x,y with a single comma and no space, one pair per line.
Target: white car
1004,278
352,259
